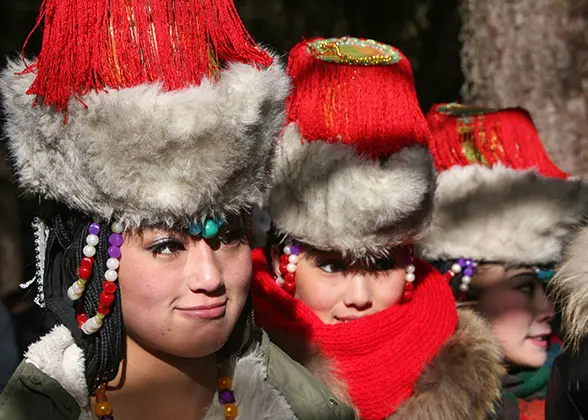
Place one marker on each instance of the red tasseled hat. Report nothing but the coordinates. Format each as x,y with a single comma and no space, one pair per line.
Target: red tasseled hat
464,134
352,173
499,196
150,111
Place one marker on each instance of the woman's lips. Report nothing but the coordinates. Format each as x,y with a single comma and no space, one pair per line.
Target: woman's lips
211,311
539,340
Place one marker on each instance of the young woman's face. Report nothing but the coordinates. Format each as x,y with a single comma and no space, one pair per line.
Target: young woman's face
519,312
182,295
338,290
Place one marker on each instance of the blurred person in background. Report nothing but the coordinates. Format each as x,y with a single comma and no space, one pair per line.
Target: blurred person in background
503,213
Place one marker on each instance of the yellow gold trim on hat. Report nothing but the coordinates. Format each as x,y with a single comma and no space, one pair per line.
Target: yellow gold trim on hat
355,51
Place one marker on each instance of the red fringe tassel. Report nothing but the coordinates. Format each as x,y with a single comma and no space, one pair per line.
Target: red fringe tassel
99,44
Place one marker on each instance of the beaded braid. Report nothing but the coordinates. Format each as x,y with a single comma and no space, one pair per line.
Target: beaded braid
103,350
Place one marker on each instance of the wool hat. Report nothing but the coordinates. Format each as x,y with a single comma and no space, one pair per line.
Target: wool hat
150,113
499,196
352,172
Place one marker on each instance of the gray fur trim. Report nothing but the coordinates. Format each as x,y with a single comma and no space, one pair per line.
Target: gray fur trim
503,215
148,156
328,196
569,288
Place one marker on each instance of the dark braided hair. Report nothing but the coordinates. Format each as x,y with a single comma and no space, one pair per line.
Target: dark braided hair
104,350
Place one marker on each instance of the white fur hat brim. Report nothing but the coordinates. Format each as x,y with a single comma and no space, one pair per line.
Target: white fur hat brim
326,195
505,215
146,155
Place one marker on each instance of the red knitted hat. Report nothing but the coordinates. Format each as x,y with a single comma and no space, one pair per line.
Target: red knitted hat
499,196
150,111
353,174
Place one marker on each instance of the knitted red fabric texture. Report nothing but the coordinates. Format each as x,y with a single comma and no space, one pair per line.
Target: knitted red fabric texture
372,107
462,135
380,356
93,45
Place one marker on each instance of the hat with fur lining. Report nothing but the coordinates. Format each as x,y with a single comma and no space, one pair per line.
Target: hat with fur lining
499,196
352,171
158,113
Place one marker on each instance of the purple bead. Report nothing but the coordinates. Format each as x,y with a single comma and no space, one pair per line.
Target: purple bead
115,239
296,249
114,251
468,272
469,263
226,396
94,229
462,262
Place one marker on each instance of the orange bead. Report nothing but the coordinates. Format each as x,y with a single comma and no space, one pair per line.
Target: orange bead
224,382
103,409
231,411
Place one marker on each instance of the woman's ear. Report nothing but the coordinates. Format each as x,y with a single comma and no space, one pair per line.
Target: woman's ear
275,263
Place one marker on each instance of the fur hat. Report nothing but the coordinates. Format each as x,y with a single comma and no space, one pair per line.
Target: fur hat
161,117
352,172
499,196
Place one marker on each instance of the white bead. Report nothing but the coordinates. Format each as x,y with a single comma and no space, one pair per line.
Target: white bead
456,268
293,258
280,281
464,287
466,279
110,275
89,251
116,227
73,292
291,268
92,240
287,250
92,325
410,268
112,263
409,277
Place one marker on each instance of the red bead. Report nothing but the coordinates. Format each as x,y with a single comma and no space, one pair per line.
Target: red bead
109,287
104,310
85,273
81,317
106,299
87,262
291,277
284,259
289,287
407,296
408,287
283,269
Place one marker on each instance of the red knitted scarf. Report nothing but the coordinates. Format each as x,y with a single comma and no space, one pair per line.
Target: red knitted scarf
380,356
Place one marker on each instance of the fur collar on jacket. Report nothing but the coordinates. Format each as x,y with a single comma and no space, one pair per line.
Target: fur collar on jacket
462,382
59,357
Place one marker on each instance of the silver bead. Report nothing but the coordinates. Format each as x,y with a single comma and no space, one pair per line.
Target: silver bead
116,227
89,251
456,268
409,277
464,287
112,263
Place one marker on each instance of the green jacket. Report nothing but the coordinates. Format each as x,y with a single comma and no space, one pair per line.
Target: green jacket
50,385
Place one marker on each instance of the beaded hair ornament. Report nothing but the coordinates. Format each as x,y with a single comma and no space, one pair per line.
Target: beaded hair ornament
467,268
291,255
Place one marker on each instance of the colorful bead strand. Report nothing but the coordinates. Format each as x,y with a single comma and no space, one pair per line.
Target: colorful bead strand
226,397
106,299
75,291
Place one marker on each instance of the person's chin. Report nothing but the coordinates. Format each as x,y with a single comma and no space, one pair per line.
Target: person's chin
534,357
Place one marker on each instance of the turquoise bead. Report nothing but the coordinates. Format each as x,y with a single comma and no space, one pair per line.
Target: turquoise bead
210,229
195,229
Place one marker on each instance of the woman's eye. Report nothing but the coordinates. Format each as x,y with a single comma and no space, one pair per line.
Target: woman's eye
527,288
232,237
384,264
167,248
331,267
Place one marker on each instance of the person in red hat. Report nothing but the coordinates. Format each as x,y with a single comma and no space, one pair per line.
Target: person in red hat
338,287
147,130
503,212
